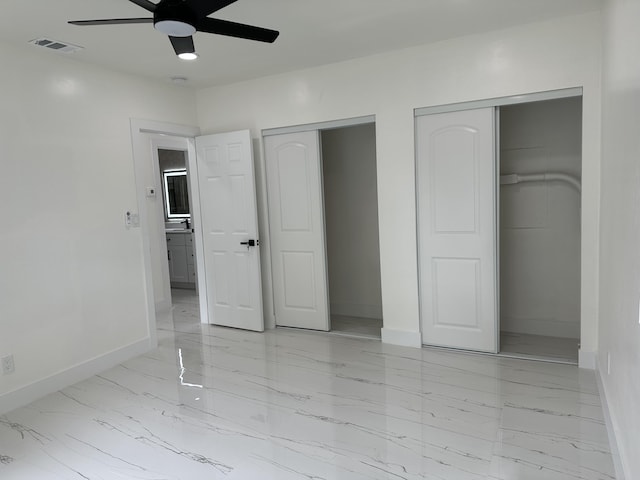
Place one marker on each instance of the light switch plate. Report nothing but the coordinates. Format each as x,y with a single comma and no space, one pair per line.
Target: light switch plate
131,220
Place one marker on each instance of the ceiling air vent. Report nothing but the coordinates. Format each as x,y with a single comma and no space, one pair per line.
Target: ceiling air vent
56,45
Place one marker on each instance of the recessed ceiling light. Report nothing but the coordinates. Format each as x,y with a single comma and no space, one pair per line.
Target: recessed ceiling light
179,80
188,56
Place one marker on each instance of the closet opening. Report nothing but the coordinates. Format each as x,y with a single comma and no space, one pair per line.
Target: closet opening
323,226
540,165
348,158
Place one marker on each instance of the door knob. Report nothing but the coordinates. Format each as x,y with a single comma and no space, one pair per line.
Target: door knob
250,243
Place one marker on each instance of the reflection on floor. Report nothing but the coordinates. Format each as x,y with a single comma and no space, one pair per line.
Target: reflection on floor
185,303
357,326
218,403
538,346
184,295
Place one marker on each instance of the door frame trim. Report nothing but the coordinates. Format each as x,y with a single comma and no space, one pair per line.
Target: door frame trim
501,101
329,125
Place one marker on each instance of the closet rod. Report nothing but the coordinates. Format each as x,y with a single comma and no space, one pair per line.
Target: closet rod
514,178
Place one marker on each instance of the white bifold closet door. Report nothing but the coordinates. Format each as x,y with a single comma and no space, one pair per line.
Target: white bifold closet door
456,172
296,226
229,218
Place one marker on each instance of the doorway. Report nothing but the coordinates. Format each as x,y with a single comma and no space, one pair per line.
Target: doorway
221,185
351,222
323,222
174,191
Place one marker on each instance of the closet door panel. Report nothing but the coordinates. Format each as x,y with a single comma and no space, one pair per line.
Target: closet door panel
456,182
296,226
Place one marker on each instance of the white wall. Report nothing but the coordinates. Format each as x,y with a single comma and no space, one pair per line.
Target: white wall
540,221
620,213
72,287
560,53
351,219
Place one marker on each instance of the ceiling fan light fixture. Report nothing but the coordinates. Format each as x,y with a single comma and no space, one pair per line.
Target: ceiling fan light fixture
181,19
188,56
175,28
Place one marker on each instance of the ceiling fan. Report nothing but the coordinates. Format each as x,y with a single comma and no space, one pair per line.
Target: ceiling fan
180,19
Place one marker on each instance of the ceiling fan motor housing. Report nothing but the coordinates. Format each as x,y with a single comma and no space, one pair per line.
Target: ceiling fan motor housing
175,18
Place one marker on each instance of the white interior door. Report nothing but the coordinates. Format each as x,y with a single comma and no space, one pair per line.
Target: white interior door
296,226
229,221
456,173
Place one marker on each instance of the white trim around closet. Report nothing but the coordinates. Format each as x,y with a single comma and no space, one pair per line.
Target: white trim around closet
346,122
501,101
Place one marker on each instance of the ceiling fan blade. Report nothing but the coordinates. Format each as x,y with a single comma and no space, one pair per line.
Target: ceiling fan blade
239,30
182,44
112,21
146,4
207,7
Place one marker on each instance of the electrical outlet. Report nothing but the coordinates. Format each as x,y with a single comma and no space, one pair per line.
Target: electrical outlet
8,365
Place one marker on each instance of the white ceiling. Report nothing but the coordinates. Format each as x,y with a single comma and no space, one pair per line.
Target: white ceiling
312,32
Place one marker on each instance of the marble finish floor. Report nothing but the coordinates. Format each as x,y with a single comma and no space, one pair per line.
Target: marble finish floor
184,296
356,326
539,346
216,403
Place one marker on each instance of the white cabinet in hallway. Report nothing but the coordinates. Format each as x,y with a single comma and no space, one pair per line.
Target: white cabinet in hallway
191,262
181,258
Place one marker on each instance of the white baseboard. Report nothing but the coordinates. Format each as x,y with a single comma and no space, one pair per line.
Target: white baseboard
29,393
356,310
611,430
540,326
587,360
404,338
